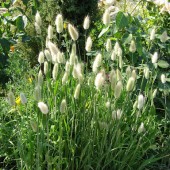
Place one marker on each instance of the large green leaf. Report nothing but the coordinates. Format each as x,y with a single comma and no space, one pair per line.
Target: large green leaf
163,64
121,20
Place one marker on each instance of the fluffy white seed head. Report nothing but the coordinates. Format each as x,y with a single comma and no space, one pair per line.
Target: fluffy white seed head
60,57
37,28
141,101
37,93
113,55
45,67
118,75
99,80
38,19
152,34
59,23
40,78
109,2
106,17
88,44
163,78
146,72
141,128
132,47
73,54
130,84
55,71
48,55
108,45
65,78
117,114
67,67
97,62
118,89
86,23
23,98
50,32
164,37
53,48
77,92
134,75
154,57
11,98
43,107
107,104
113,79
73,32
41,57
128,71
63,106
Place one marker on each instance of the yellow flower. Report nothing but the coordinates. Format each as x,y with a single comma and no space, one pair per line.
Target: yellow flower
12,48
18,101
30,79
65,25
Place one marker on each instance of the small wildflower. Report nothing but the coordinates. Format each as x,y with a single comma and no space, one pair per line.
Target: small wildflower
12,48
18,101
30,79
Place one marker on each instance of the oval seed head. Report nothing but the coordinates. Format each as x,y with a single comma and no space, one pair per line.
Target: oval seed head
154,57
37,93
43,107
99,80
50,32
128,71
60,57
37,28
73,54
41,57
86,23
152,35
146,72
38,19
53,48
113,55
11,98
107,104
73,32
164,37
141,101
132,47
163,78
113,79
77,92
65,78
55,71
120,62
134,75
34,126
135,104
118,75
23,98
141,128
130,84
118,89
116,47
67,67
97,62
59,23
117,114
106,17
48,55
45,67
40,78
108,45
63,106
154,93
88,44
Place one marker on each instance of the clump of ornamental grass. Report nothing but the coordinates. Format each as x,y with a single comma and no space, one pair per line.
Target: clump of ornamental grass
80,118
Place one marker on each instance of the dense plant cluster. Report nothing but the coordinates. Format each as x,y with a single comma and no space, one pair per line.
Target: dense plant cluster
101,105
